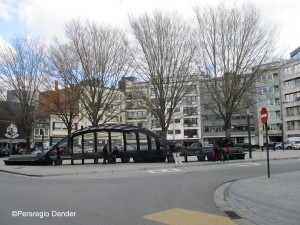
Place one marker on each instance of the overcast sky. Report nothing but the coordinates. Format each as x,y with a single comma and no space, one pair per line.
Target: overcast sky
46,18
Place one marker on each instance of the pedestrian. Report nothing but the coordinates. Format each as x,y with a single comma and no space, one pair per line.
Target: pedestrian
227,150
105,153
58,151
115,154
216,153
176,154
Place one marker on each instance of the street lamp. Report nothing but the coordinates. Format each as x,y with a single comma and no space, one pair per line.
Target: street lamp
249,133
11,136
42,132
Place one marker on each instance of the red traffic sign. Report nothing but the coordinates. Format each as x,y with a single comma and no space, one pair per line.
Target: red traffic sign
264,115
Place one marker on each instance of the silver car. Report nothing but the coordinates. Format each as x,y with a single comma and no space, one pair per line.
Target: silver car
296,145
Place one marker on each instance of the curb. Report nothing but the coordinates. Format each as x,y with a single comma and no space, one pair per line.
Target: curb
21,174
219,199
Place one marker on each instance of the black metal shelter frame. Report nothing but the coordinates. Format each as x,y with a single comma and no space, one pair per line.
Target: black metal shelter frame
160,150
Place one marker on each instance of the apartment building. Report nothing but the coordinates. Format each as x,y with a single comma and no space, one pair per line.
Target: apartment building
290,94
278,89
186,121
185,127
57,128
268,96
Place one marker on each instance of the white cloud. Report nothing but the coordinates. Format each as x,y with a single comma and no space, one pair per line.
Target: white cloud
46,18
2,42
4,10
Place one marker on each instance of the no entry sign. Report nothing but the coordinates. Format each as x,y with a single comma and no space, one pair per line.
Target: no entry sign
264,115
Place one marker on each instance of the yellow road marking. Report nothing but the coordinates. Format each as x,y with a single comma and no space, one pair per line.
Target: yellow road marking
179,216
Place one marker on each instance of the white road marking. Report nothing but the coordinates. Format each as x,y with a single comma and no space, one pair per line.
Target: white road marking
245,164
164,171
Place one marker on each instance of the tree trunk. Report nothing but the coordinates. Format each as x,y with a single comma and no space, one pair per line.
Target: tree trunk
228,129
69,137
28,142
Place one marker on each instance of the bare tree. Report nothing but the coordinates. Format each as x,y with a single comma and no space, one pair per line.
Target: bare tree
163,55
21,73
63,100
234,43
101,53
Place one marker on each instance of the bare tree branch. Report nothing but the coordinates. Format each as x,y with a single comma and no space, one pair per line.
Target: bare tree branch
101,53
21,74
234,43
63,101
163,57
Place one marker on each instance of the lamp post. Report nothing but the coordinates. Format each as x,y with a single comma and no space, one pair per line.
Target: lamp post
11,134
249,133
42,132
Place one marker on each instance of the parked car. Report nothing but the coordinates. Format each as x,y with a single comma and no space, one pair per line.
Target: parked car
22,151
296,145
271,146
196,145
278,145
39,151
4,152
289,145
209,145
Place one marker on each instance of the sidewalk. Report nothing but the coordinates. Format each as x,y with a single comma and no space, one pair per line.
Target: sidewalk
263,200
273,201
90,167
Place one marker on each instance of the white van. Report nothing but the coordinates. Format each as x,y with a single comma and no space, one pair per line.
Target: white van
290,141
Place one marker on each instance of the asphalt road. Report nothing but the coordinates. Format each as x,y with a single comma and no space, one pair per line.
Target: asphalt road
123,198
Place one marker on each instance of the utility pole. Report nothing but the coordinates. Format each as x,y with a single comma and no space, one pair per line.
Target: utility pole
11,134
249,134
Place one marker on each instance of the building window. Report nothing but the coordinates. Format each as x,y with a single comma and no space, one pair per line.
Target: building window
62,126
212,129
177,120
189,100
177,131
190,111
136,115
154,92
38,133
191,89
190,122
191,133
59,126
155,124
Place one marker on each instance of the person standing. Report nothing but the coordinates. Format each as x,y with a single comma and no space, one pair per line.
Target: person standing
105,153
115,154
216,153
227,150
176,155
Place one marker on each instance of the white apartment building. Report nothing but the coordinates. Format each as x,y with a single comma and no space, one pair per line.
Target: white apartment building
268,96
290,94
186,122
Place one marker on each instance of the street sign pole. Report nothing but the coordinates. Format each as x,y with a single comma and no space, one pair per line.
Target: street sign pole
267,146
264,120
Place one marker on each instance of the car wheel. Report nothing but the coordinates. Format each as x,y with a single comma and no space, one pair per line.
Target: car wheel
289,148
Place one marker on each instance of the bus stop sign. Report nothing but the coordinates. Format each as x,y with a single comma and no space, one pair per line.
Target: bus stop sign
264,115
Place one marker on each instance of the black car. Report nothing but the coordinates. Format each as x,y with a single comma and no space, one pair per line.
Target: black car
4,152
196,145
